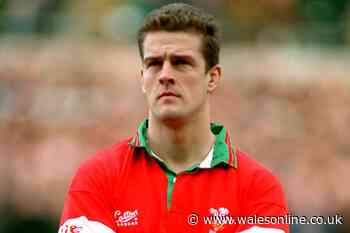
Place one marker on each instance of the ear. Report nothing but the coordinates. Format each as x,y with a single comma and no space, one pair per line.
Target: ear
214,78
142,81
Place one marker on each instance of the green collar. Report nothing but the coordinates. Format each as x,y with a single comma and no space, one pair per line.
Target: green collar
223,153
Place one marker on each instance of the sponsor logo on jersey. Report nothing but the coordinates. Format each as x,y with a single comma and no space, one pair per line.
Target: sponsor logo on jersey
218,212
126,218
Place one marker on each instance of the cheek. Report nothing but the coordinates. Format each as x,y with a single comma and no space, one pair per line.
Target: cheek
148,87
146,83
197,88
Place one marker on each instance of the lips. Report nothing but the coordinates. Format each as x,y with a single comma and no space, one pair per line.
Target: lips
167,93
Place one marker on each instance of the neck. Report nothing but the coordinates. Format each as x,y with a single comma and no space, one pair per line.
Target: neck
181,144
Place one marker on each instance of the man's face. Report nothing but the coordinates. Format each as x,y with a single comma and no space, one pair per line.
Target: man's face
173,75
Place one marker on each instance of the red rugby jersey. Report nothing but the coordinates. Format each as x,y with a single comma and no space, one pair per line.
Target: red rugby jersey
127,188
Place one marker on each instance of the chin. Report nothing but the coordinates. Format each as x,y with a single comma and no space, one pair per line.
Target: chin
169,115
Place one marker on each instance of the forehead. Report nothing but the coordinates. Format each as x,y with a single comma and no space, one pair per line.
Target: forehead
184,43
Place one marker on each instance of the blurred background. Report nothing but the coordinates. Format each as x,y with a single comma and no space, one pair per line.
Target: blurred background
69,86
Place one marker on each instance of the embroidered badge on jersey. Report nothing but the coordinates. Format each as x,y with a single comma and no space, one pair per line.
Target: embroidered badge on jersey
218,221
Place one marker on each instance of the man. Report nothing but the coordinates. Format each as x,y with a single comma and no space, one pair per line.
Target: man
179,169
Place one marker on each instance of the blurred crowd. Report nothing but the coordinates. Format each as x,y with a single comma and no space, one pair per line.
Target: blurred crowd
60,101
69,86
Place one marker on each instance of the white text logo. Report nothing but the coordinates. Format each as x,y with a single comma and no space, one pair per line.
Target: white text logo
126,218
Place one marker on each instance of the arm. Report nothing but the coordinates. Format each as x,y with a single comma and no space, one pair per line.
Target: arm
265,197
87,208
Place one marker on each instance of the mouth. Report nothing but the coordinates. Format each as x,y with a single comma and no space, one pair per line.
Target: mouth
168,94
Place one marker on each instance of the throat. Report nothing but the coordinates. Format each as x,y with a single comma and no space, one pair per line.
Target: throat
203,161
181,147
179,158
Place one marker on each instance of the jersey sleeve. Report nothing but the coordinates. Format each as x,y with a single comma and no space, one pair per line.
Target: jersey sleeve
87,207
265,204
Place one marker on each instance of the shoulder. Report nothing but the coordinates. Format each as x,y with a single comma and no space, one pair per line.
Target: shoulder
108,156
100,169
250,168
258,183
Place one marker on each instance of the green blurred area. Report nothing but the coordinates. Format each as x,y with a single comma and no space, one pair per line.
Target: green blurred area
314,22
12,222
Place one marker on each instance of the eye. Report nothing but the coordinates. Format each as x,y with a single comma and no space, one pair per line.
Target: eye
180,62
154,63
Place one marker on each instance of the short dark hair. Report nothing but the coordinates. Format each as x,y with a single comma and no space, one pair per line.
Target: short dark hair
184,17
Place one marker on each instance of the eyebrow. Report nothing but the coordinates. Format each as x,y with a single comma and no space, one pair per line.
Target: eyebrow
185,57
175,56
151,58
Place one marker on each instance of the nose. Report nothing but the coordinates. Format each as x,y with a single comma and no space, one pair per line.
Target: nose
166,75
